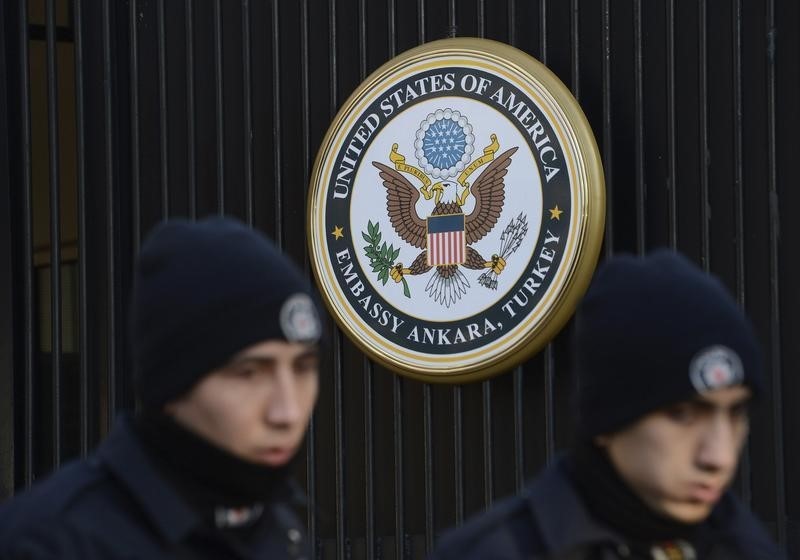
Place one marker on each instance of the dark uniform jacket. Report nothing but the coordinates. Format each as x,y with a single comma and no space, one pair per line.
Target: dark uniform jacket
115,505
549,521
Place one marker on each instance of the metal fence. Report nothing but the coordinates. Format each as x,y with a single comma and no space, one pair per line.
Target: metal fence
116,114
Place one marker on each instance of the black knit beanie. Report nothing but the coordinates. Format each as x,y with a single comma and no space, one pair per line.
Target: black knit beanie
655,331
205,291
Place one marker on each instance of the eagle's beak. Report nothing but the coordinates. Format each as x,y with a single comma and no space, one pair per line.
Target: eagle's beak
438,190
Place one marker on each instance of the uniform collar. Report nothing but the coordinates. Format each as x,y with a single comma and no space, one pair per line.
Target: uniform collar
127,460
568,525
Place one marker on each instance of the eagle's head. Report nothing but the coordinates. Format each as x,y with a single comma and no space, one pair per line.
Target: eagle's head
445,191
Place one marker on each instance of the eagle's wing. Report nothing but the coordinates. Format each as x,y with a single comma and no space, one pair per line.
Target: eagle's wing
489,193
401,200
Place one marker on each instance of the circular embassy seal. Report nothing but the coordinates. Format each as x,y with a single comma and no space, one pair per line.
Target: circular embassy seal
456,210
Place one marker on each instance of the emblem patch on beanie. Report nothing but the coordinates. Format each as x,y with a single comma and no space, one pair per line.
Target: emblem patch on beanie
715,367
299,319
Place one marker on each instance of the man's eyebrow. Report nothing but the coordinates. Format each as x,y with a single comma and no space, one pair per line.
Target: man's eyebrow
244,360
311,350
704,403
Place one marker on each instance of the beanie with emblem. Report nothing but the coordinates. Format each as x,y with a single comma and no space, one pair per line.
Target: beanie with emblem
654,331
204,291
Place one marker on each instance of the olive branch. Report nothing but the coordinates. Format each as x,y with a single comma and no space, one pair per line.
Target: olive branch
381,256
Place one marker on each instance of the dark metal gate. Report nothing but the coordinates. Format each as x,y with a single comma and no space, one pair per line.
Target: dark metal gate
116,114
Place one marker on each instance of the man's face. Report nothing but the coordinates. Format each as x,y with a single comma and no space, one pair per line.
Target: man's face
258,405
680,459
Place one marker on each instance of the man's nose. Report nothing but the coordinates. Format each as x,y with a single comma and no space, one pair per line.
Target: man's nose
719,446
283,405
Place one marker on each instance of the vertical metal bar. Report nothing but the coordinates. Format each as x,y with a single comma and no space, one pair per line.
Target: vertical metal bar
218,75
458,452
426,389
311,435
427,411
543,31
362,39
738,201
392,23
276,124
519,432
305,81
339,443
548,370
488,473
110,253
638,92
427,405
338,355
337,374
80,153
549,404
136,162
512,22
458,413
248,112
575,44
190,140
334,68
421,21
399,502
775,309
671,127
55,227
369,409
705,152
311,487
8,337
29,334
369,446
162,97
481,18
397,388
608,155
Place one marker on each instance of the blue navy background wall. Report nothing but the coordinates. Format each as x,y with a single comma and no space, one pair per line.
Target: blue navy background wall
116,114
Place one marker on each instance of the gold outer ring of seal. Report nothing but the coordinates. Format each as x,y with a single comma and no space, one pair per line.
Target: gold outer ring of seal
589,232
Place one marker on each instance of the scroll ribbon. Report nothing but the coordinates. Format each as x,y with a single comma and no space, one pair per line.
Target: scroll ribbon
400,164
488,155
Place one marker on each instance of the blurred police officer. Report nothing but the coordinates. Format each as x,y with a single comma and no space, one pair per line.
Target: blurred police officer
225,332
667,365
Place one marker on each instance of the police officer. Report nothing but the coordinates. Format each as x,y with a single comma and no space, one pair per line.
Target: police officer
225,336
667,366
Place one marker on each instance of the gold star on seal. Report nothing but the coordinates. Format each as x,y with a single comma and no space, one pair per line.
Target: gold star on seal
337,232
555,213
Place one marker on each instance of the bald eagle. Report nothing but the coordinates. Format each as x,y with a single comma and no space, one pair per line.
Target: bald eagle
448,283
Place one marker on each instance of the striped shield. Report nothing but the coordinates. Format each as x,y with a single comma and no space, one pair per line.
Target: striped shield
446,243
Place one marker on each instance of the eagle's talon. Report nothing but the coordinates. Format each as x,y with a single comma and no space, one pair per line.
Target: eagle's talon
398,271
497,264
